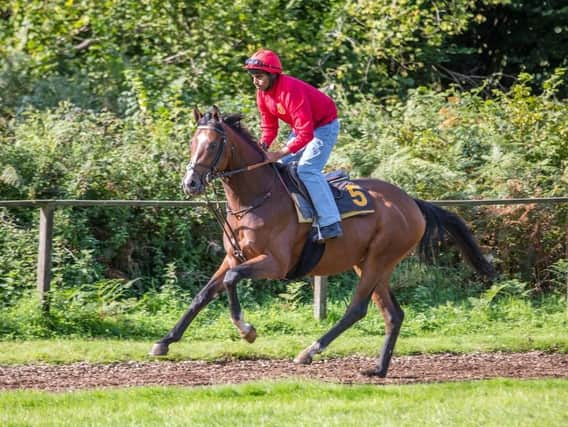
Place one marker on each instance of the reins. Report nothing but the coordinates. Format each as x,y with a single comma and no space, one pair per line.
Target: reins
245,169
211,169
227,229
211,175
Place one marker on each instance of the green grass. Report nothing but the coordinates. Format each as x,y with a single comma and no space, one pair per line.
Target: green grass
436,321
273,347
90,333
480,315
483,403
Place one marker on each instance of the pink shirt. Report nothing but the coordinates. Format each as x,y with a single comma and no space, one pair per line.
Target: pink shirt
297,103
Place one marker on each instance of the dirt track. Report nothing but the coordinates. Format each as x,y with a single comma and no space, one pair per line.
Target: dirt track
404,370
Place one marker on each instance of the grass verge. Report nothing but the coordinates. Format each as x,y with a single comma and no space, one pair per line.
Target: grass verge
274,347
500,402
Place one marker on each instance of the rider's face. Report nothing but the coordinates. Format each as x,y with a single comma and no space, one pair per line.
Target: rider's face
261,80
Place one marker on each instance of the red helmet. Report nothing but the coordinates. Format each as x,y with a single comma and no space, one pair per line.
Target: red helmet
264,60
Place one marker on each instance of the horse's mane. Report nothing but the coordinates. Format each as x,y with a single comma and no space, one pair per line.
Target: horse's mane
234,121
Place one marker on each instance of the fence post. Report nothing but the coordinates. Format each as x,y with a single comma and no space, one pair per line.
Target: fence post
320,297
44,254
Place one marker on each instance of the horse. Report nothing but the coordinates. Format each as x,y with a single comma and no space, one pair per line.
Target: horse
263,239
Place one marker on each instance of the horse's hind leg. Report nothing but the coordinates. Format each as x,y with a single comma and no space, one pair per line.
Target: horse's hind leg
355,312
386,302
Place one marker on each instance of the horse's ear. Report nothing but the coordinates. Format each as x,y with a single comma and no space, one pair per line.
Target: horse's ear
197,114
216,113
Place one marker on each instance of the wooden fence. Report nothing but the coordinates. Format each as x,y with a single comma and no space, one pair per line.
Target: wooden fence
47,208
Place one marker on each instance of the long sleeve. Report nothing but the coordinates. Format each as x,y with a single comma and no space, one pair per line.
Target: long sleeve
297,103
268,123
302,122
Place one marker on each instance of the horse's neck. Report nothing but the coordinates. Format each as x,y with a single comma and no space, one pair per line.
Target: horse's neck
246,188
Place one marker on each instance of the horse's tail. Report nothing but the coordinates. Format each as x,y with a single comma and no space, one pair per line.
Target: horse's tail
439,222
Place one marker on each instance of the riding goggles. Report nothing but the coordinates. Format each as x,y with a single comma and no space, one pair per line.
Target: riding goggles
259,63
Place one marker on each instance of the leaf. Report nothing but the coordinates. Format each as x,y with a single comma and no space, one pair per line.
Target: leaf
10,176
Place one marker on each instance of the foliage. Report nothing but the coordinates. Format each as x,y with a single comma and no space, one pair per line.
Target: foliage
133,56
490,46
454,144
437,300
139,57
17,260
95,102
379,47
469,141
70,153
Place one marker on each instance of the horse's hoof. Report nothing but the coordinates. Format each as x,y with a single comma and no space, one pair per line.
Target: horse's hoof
303,358
250,336
374,373
159,349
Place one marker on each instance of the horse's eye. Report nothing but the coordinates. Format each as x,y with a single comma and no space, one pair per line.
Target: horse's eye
212,146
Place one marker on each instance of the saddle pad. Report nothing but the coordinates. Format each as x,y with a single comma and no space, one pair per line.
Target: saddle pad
351,200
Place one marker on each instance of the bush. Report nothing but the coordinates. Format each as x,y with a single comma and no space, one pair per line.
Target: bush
455,144
435,145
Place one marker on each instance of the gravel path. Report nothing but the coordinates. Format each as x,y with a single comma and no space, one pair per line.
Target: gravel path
347,370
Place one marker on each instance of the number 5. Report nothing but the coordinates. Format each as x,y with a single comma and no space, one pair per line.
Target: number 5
357,195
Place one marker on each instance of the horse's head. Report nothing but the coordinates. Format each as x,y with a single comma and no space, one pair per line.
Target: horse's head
209,151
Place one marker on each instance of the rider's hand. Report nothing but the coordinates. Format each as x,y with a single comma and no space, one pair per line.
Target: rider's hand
274,156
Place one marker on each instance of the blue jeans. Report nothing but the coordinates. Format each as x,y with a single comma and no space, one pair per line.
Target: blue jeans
311,161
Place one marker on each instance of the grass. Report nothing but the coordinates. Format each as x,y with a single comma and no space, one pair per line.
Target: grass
497,402
273,347
98,334
437,320
463,317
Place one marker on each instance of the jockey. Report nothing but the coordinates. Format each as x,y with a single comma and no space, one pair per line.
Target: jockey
312,115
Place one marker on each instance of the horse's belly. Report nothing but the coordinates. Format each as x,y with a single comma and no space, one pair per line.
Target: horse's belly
338,258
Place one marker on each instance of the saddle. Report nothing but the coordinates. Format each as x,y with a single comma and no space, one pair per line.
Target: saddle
350,198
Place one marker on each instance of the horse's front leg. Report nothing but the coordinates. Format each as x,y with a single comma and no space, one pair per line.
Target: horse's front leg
263,266
213,288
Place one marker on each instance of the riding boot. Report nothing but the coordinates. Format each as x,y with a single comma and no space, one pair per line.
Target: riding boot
327,232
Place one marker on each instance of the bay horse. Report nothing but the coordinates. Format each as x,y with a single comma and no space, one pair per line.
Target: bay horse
264,240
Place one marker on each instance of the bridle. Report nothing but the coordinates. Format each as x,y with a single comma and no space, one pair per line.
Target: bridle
211,170
211,173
